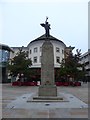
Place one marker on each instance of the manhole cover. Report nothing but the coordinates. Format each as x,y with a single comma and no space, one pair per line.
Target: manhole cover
71,97
12,107
47,104
24,97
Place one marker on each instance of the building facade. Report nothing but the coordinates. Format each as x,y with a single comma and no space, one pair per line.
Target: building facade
85,61
4,57
34,49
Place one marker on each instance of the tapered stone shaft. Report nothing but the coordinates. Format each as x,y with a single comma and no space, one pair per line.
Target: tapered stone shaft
47,87
47,64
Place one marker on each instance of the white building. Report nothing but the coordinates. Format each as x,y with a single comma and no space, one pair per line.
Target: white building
34,49
85,60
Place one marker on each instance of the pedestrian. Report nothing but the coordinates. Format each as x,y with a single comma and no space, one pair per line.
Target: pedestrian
18,77
22,77
9,77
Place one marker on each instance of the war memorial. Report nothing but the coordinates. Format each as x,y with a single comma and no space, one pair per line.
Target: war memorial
47,87
46,100
47,90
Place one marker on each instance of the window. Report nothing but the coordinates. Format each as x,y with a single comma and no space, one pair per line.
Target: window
35,49
30,58
57,49
35,59
30,51
58,59
62,51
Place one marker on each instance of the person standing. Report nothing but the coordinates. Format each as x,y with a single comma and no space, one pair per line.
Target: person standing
22,77
18,77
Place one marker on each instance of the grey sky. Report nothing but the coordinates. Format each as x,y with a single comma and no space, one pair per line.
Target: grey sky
20,22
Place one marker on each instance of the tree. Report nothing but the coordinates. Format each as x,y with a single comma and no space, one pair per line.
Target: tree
70,66
20,63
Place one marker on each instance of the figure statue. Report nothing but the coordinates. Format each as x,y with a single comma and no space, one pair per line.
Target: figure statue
47,27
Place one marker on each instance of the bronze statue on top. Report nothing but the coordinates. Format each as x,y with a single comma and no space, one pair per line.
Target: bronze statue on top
47,27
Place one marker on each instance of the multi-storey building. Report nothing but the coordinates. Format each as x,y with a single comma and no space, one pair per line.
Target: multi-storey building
85,61
34,49
4,57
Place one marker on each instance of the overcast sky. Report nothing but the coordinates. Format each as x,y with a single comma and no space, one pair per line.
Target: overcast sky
20,21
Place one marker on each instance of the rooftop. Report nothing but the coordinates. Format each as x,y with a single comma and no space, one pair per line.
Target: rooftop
43,37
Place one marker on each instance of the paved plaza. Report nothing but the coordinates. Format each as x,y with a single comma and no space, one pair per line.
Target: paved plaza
15,105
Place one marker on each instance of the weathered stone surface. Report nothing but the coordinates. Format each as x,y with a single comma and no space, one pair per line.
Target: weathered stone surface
47,64
47,90
59,98
47,87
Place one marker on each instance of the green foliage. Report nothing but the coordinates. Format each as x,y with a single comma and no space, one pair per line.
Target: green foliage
20,63
70,66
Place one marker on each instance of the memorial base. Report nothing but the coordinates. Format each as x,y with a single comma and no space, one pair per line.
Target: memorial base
47,90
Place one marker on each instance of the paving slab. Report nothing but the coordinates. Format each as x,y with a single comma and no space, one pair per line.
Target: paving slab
73,109
21,102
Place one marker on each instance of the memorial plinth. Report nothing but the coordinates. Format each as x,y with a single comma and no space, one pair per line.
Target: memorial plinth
48,87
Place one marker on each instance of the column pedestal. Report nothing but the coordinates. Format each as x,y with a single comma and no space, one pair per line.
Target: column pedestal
47,90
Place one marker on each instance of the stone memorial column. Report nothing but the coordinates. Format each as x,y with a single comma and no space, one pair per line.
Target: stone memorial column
48,87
